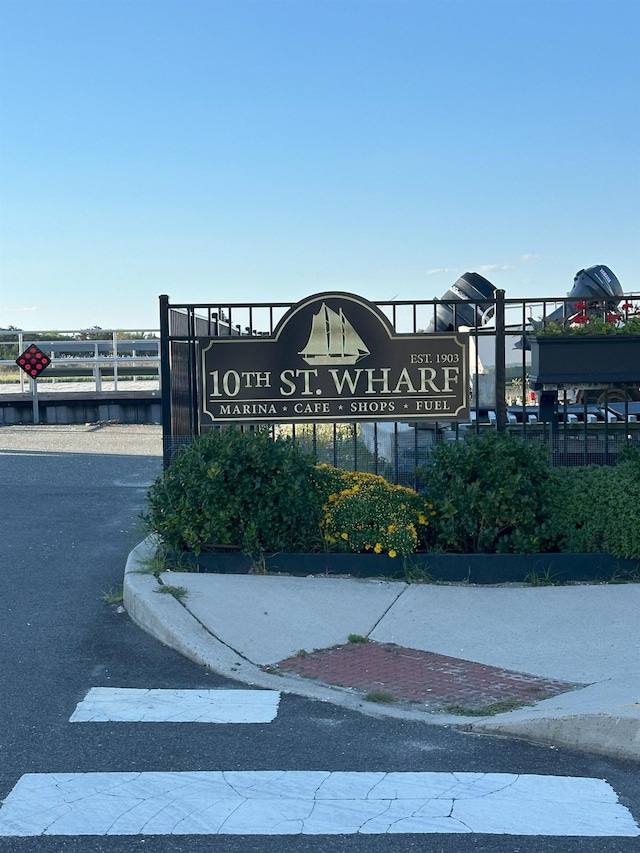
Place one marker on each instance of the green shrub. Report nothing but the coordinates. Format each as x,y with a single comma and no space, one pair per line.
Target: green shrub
490,494
597,508
242,489
364,512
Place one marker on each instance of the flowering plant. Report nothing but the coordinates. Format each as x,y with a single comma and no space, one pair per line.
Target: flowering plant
365,513
596,319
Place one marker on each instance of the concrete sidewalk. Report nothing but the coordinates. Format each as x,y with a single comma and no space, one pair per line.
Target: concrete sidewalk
431,649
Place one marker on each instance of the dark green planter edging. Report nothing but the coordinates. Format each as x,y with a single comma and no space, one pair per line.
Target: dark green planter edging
448,568
584,360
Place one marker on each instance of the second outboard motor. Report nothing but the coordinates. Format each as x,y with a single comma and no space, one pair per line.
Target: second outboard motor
594,284
467,289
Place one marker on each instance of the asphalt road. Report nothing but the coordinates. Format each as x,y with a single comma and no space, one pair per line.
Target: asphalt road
70,501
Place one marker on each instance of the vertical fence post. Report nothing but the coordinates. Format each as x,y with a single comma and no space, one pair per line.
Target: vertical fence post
165,380
194,392
114,352
500,359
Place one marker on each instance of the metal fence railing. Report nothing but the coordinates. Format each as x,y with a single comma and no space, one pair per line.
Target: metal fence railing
580,425
94,358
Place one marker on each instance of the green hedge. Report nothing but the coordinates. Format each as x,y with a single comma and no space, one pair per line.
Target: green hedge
597,508
489,494
238,489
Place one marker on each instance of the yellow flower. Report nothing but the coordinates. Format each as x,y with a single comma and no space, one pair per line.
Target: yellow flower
377,548
391,528
345,535
422,518
392,553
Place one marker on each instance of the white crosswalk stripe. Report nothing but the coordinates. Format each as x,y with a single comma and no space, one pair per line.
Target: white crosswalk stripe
311,803
120,704
290,802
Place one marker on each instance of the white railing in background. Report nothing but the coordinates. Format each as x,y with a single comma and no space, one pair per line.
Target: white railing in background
109,356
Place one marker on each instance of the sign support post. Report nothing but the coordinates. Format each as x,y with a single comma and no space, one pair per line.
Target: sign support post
34,396
33,361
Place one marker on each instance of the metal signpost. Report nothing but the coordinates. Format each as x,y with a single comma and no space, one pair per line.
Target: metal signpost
33,361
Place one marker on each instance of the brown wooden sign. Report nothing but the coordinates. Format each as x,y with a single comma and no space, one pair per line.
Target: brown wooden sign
334,357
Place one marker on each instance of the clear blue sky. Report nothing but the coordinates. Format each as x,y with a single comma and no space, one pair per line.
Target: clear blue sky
257,150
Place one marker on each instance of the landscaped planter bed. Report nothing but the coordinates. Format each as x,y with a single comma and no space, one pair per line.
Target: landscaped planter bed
447,568
487,500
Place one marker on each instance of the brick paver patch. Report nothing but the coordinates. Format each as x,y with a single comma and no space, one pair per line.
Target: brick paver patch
437,681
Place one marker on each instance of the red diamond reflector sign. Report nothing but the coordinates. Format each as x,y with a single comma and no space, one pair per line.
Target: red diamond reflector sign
33,361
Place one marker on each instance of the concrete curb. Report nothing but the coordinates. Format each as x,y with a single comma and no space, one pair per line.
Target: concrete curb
603,718
602,734
167,620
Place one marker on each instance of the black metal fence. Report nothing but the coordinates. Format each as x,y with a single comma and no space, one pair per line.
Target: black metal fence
580,425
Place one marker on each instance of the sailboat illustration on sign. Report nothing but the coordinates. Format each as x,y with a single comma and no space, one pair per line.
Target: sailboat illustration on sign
333,340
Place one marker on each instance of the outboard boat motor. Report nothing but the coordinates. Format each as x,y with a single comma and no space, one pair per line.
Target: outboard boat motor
598,285
594,284
469,287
